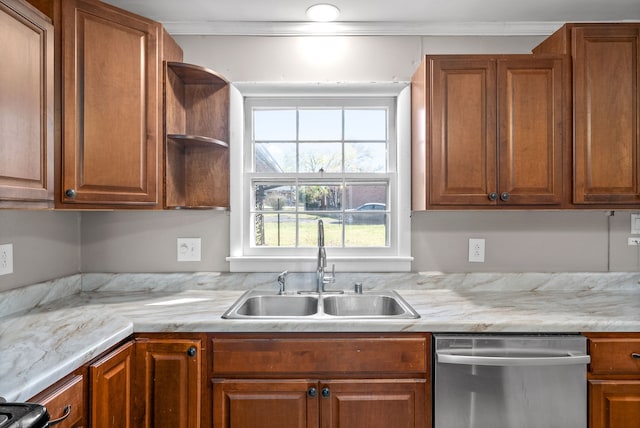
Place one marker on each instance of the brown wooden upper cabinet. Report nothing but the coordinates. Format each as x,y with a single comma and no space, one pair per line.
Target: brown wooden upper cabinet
487,131
27,100
111,106
606,110
138,128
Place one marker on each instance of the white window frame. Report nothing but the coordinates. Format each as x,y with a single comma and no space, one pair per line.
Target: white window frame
395,258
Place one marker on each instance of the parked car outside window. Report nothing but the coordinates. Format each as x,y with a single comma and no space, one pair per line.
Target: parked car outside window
370,213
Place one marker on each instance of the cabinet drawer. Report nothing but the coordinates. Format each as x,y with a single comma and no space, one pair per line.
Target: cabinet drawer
272,357
615,356
68,392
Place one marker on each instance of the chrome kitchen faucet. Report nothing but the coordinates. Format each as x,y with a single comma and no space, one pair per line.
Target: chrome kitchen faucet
322,277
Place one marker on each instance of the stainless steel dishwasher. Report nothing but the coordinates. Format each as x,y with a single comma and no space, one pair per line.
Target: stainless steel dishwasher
507,381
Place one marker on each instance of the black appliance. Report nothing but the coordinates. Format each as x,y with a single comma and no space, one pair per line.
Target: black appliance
27,415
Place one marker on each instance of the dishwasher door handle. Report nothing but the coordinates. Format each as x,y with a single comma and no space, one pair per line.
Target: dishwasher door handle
485,360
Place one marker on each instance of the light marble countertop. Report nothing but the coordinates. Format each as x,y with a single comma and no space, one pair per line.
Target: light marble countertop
48,330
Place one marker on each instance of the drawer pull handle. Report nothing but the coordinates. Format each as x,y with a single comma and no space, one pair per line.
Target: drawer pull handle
67,412
326,392
635,356
312,392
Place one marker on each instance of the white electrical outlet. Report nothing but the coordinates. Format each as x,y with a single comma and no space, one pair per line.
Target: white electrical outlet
633,241
6,259
476,250
189,249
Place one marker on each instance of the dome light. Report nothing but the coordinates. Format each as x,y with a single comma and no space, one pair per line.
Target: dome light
323,12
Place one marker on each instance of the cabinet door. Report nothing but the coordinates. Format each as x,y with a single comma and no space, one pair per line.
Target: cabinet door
398,403
462,135
110,386
265,404
26,97
530,141
614,404
111,105
168,372
607,114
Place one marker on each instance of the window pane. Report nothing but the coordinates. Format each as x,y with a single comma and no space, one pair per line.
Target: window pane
317,156
275,157
275,230
365,157
320,197
365,235
309,230
366,218
320,125
275,197
274,125
366,197
363,125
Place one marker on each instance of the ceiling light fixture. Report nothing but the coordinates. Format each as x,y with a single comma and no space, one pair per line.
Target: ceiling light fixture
323,12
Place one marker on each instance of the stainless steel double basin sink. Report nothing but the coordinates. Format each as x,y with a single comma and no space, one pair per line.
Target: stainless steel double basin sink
260,304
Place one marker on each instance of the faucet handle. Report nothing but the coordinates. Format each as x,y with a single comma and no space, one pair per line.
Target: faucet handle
282,278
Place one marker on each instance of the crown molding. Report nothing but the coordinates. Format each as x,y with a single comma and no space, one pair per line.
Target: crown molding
254,28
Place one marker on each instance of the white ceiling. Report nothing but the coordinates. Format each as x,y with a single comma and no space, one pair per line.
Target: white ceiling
420,17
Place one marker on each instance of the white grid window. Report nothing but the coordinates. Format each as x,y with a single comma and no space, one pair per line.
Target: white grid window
317,159
310,158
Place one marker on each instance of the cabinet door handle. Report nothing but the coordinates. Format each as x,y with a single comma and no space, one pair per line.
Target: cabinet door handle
326,392
70,193
312,392
192,351
635,356
505,196
67,412
493,196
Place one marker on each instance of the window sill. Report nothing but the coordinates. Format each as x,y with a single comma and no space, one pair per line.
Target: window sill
308,264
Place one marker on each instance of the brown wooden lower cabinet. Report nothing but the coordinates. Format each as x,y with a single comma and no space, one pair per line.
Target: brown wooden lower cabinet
614,403
321,381
264,403
614,380
168,378
110,389
311,380
383,403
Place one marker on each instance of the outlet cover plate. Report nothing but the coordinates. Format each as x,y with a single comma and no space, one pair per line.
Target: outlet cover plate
189,249
6,259
476,250
635,224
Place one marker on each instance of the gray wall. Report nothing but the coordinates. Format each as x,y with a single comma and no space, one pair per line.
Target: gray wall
134,241
52,244
333,59
46,245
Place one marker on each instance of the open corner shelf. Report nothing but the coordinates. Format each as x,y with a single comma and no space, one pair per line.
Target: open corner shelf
198,140
197,135
196,75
